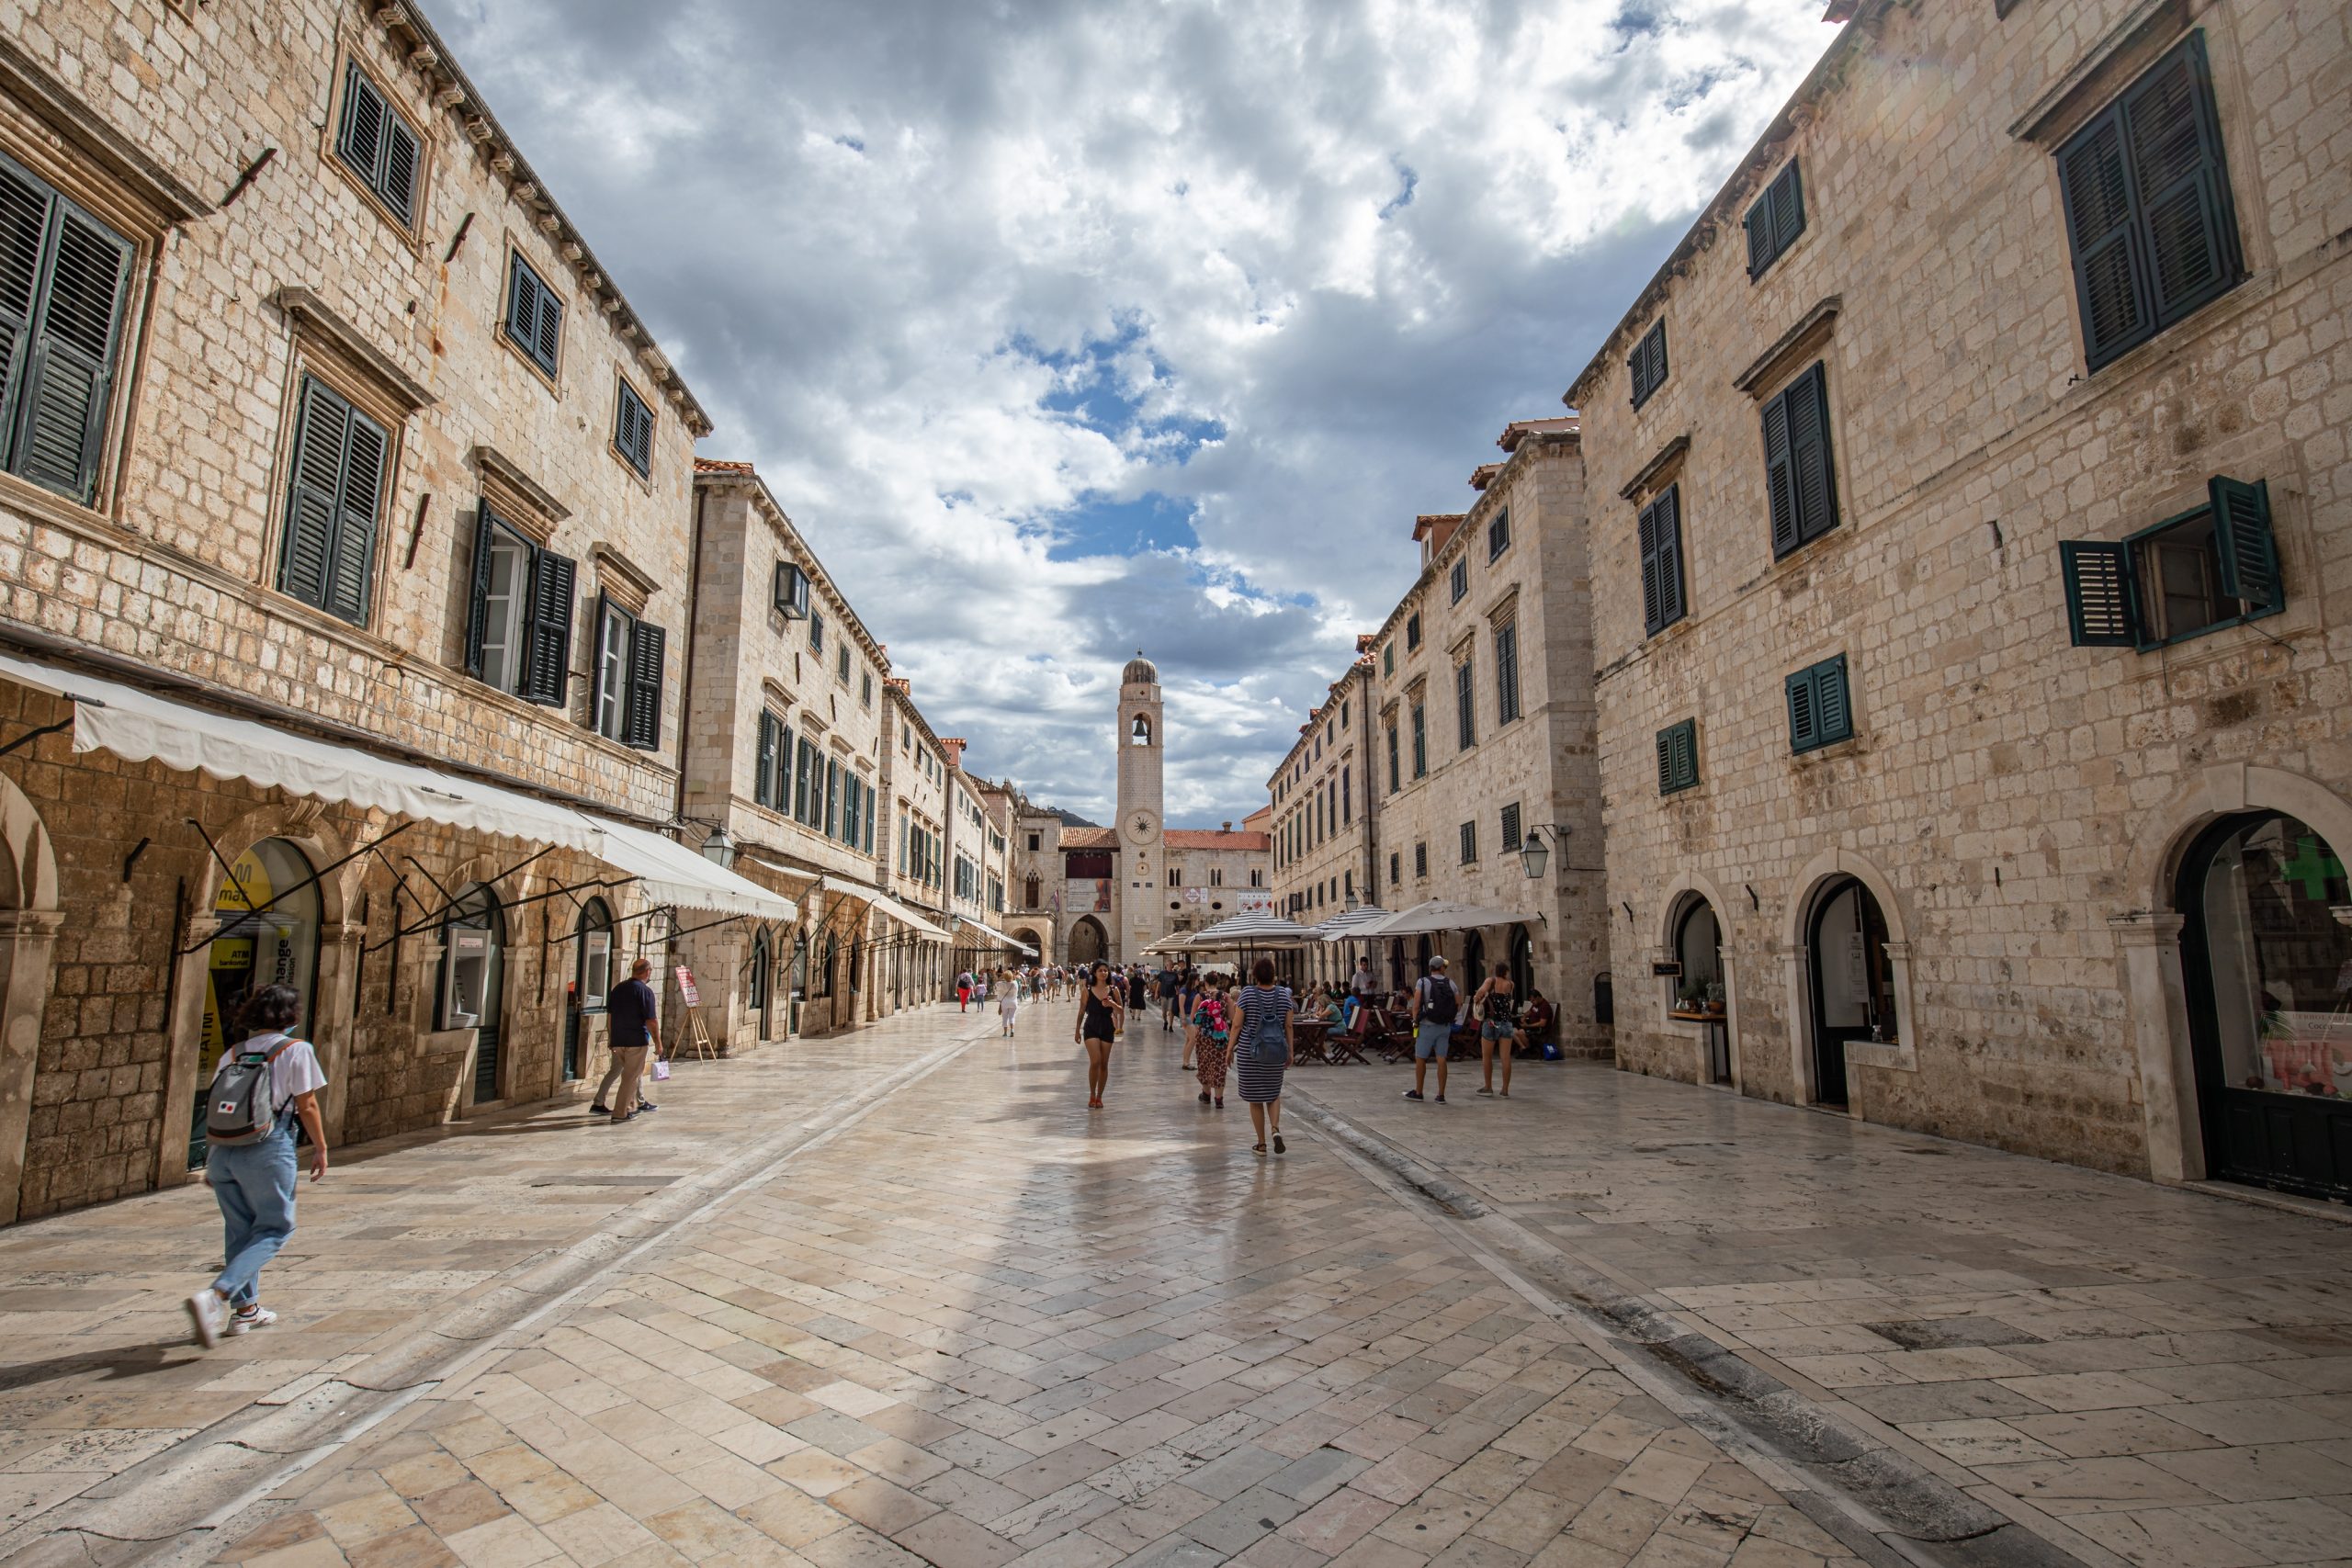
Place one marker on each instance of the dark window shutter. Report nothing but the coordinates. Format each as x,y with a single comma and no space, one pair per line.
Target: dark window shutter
1833,711
550,338
477,601
2098,194
1780,477
1510,828
366,448
633,431
399,186
1661,536
1507,673
1788,209
360,142
780,780
1653,602
549,676
800,805
1804,723
1758,224
1647,363
1678,756
2241,536
534,316
1665,761
1815,483
2098,594
62,414
320,426
763,778
869,821
2174,142
24,227
647,645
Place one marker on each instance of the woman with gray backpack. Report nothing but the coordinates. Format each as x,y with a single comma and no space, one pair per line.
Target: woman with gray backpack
1261,1050
265,1084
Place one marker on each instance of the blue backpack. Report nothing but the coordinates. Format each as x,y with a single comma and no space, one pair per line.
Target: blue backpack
1268,1041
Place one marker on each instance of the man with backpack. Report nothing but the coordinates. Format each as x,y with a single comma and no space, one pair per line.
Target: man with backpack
1434,1005
264,1086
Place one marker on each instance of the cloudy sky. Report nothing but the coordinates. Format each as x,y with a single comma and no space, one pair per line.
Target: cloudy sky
1068,327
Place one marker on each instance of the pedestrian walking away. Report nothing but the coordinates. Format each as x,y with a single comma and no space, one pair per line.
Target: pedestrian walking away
1262,1046
1008,1000
964,991
261,1091
1139,993
632,1014
1496,1007
1168,1008
1208,1038
1102,1012
1434,1005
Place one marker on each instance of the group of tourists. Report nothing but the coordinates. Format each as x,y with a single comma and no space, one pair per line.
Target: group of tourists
1246,1030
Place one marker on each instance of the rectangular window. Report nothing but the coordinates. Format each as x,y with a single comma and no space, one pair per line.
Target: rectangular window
830,822
1497,534
1470,843
1388,659
1646,364
377,144
1775,221
1347,797
633,431
1412,631
1420,741
1507,671
816,631
1510,828
1421,859
534,315
763,773
626,704
1395,781
1396,868
2208,568
1661,527
866,687
518,623
1465,711
841,662
1678,756
1458,583
65,280
807,785
1798,482
1821,711
2149,218
337,486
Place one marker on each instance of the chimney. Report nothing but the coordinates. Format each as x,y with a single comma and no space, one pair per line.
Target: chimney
1228,827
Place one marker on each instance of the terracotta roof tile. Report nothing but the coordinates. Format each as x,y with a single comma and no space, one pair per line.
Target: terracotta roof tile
720,466
1088,839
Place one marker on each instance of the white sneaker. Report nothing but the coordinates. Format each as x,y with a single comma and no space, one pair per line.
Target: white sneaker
210,1314
247,1322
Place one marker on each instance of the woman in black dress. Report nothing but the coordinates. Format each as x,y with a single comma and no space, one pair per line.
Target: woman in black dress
1102,1010
1263,1044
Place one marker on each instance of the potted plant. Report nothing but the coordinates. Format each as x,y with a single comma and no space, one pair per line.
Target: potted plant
1690,999
1715,997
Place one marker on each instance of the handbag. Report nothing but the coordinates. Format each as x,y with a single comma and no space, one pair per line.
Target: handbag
661,1070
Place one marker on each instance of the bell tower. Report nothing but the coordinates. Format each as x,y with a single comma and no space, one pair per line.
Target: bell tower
1142,846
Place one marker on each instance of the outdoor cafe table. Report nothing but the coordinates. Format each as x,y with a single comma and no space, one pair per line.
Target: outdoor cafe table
1308,1040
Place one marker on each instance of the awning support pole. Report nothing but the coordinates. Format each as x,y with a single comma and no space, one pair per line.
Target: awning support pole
423,920
316,877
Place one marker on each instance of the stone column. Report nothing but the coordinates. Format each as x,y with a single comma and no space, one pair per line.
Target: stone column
183,1033
2159,1014
28,937
331,1018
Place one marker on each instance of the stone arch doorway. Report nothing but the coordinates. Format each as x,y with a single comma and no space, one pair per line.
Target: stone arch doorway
29,919
759,985
591,980
1701,986
268,909
473,981
1522,964
2266,953
1088,941
1850,980
1030,937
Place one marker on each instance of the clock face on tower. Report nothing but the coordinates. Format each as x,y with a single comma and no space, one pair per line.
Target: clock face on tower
1141,825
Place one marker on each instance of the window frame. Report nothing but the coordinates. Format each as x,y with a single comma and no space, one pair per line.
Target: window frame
2247,570
309,384
1661,556
1811,382
1646,366
357,74
1678,757
1458,580
105,376
624,395
1507,696
1466,703
1498,532
1768,216
517,269
1806,731
1469,834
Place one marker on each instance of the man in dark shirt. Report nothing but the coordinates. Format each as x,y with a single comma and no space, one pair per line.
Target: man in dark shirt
630,1011
1167,998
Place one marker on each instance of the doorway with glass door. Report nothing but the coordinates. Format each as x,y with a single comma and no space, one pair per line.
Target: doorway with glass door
1852,981
473,982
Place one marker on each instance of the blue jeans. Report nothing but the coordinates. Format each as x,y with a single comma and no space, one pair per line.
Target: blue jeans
253,1184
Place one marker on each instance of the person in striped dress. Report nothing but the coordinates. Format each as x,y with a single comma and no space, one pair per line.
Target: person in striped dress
1261,1050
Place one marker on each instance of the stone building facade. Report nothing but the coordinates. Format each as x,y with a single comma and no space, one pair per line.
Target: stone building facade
915,775
1079,893
1972,526
1324,828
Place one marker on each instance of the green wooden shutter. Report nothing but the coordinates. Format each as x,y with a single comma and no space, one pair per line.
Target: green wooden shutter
1678,756
365,451
24,230
869,821
1779,478
1805,725
1466,696
833,822
76,324
1661,535
550,346
477,601
633,431
1834,712
763,770
1812,477
548,673
1507,673
321,423
799,805
2098,594
1510,828
1652,601
2243,538
780,782
647,645
2109,285
397,186
1788,209
360,141
2173,139
1758,224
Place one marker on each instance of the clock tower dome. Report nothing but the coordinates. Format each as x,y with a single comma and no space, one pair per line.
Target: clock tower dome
1140,828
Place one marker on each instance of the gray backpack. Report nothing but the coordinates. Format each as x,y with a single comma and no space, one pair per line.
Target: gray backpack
1267,1042
239,1109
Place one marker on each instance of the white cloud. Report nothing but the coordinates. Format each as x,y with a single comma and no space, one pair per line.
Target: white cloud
1294,261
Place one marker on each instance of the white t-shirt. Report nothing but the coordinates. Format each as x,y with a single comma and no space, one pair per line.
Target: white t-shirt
296,1070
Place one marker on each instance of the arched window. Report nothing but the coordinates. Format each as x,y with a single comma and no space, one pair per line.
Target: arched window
757,982
1032,890
277,946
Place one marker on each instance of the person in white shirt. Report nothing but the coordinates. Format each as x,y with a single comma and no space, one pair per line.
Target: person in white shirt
254,1183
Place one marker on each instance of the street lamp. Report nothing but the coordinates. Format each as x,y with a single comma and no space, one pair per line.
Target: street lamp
1534,855
719,847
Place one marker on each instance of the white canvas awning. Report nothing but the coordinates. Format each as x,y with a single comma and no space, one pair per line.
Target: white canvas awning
1000,937
1441,915
668,872
851,887
141,727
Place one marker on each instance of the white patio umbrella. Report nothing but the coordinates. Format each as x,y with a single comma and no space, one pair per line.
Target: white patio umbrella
1342,927
1441,914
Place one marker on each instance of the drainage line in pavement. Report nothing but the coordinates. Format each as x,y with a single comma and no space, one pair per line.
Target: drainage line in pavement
1895,1503
349,1405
